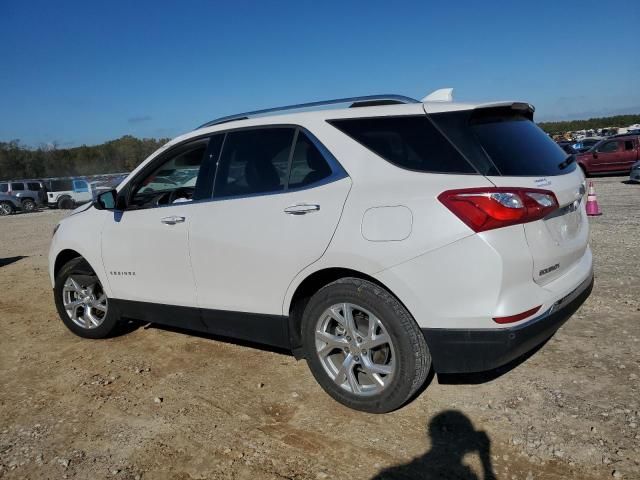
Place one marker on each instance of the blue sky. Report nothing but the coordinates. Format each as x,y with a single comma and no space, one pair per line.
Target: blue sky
79,72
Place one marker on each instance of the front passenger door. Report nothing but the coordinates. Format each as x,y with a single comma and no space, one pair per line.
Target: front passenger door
145,248
607,157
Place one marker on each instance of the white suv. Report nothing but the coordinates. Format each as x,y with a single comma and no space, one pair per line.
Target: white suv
376,241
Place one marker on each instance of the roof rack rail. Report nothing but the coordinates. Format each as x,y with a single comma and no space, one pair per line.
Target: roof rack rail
366,101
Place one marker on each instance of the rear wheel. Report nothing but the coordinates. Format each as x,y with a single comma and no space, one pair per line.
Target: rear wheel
363,347
6,208
28,205
81,301
66,203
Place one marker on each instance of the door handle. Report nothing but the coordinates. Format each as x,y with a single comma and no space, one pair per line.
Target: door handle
172,220
301,209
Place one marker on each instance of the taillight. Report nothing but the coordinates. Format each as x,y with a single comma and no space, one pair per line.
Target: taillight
488,208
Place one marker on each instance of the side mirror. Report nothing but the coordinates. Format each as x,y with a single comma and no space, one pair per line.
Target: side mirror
595,154
106,200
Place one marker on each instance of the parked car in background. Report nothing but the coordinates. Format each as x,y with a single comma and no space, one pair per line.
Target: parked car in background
9,204
616,154
585,144
67,193
30,194
635,173
566,146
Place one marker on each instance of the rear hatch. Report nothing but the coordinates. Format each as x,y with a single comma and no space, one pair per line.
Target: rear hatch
504,144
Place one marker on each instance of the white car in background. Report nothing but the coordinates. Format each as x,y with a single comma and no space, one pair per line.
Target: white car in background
68,193
376,241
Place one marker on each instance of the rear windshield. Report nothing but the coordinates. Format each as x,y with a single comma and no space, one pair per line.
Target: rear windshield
411,142
502,141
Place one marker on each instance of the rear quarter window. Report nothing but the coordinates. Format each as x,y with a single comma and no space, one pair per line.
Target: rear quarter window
4,187
410,142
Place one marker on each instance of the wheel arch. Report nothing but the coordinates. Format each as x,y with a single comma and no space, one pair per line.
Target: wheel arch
307,288
63,257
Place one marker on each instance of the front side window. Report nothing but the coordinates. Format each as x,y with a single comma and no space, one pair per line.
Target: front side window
628,145
17,186
174,181
308,165
608,147
80,186
254,161
4,187
33,186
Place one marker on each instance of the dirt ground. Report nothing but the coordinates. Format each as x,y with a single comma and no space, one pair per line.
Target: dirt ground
156,403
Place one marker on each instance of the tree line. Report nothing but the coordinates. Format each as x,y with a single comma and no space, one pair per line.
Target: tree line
124,154
590,124
121,155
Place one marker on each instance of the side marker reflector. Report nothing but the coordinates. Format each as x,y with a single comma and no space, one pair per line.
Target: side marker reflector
519,316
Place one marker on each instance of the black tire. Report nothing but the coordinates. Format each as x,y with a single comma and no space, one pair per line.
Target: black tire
65,203
413,360
6,208
28,205
80,267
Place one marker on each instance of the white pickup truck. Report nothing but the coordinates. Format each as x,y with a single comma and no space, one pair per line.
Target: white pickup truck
67,193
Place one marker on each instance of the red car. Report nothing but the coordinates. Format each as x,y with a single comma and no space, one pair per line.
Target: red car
616,154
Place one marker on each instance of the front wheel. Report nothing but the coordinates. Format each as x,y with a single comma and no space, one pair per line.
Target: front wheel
66,203
81,301
363,346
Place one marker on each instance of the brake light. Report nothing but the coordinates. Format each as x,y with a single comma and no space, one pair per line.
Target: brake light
488,208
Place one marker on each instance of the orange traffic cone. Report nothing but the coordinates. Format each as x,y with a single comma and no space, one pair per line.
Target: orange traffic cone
593,209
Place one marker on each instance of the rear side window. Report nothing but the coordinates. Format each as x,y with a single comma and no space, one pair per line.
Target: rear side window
17,186
254,161
61,185
33,186
411,142
504,141
308,166
4,187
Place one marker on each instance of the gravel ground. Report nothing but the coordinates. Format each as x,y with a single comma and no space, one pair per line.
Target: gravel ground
158,403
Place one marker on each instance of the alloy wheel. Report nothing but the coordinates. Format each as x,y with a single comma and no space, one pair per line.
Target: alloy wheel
28,205
5,209
84,301
355,349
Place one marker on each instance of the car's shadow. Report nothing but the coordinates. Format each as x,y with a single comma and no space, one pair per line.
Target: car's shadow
9,260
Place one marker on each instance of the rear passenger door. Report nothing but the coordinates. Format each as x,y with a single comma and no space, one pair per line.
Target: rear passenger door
277,199
630,153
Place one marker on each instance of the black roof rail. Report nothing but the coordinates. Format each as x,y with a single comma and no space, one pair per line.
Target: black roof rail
365,101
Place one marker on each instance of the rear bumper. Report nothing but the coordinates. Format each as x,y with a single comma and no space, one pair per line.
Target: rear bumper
479,350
